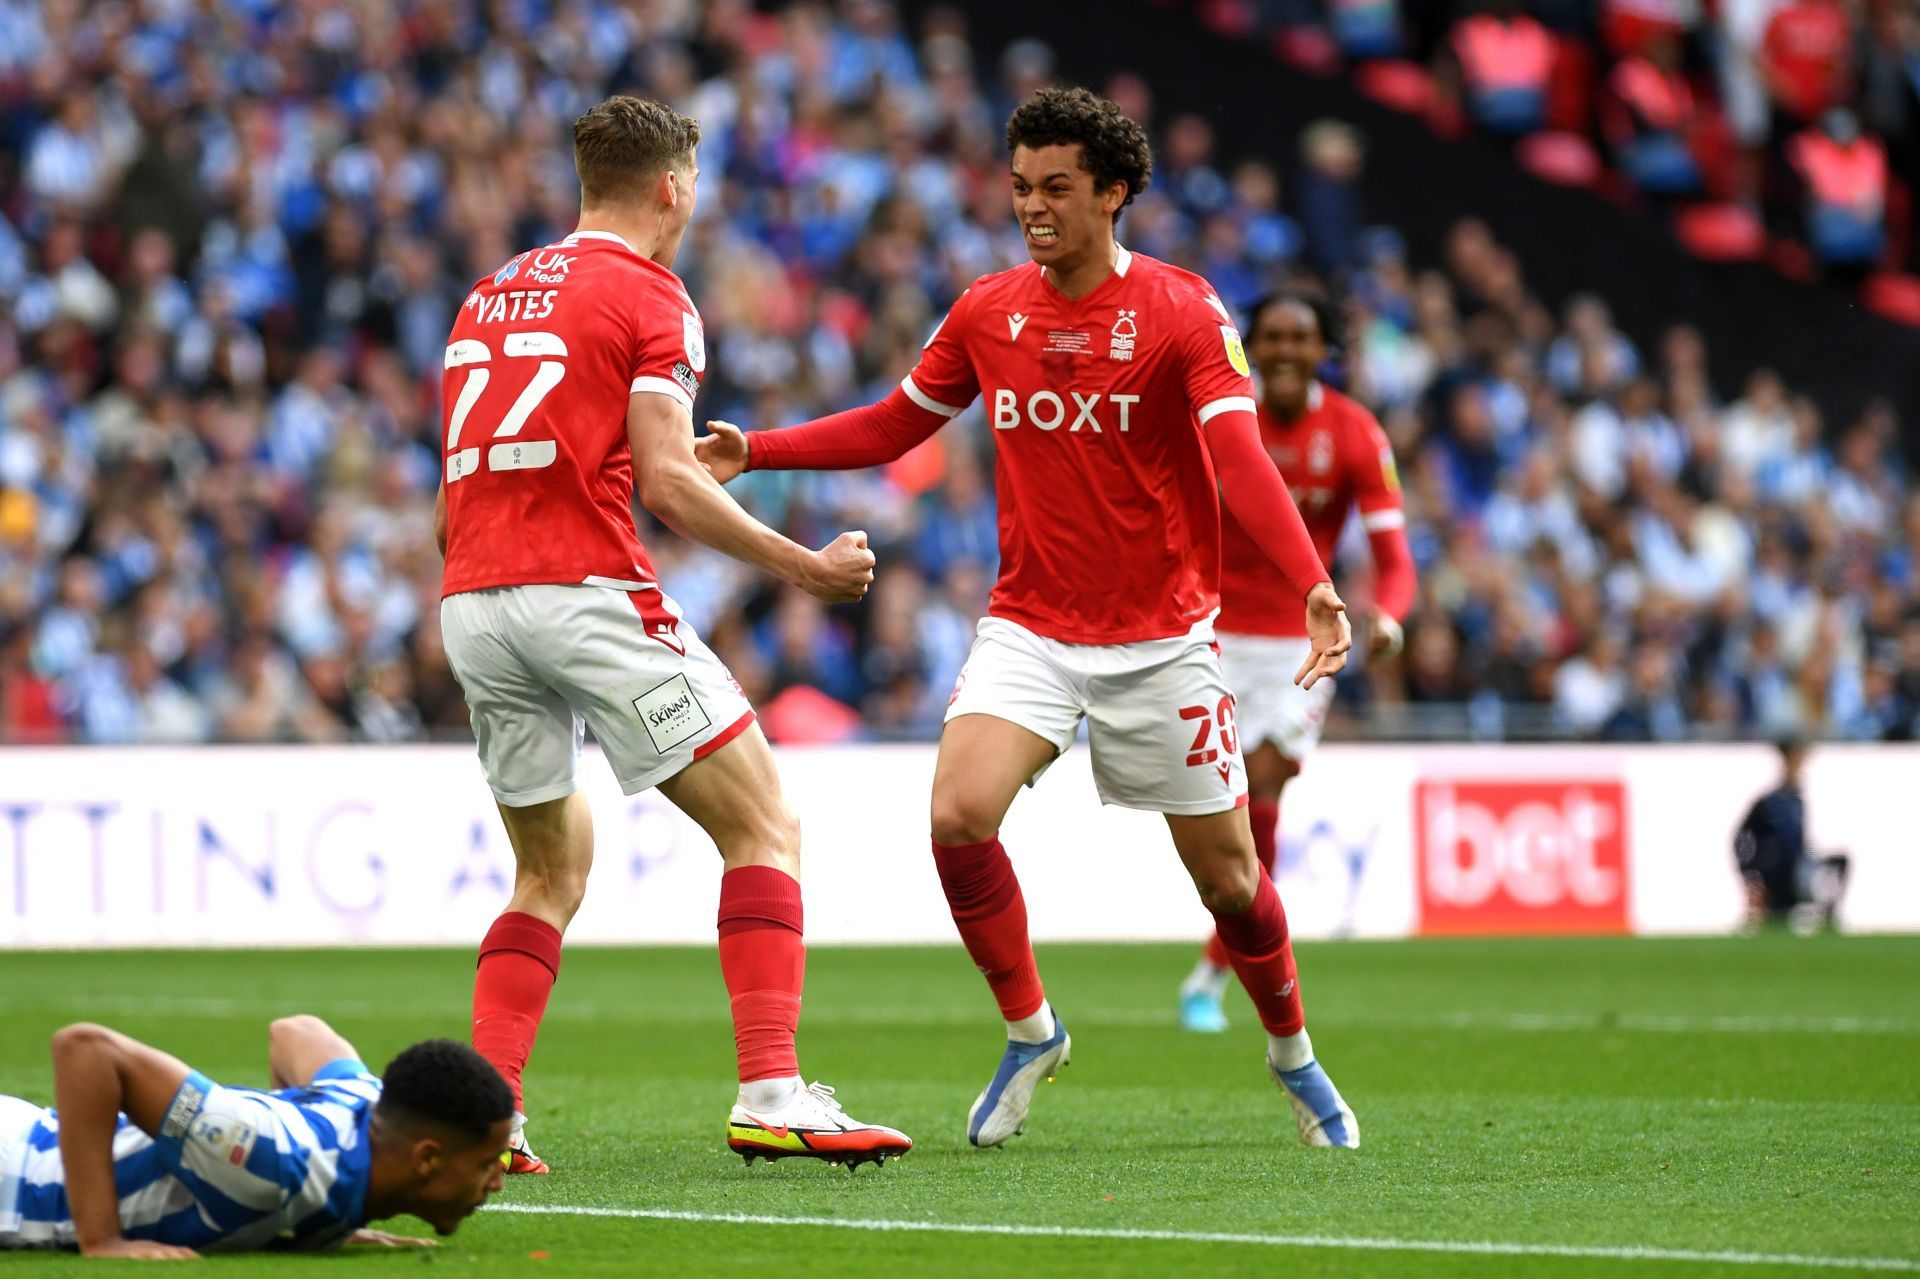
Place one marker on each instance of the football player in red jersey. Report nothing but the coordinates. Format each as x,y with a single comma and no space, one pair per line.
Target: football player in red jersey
1122,409
1335,459
570,379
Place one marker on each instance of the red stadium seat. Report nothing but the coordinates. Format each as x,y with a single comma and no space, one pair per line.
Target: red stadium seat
1566,159
1893,296
1721,232
1308,48
1403,86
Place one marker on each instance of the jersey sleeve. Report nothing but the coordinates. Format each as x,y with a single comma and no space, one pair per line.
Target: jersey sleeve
670,346
943,381
234,1143
1214,370
1376,495
1376,480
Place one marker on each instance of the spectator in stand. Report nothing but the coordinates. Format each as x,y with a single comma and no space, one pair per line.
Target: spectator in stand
1332,157
1844,176
1505,62
1648,117
222,294
1806,61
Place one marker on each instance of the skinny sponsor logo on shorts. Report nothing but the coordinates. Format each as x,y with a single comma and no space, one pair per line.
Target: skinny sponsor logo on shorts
671,714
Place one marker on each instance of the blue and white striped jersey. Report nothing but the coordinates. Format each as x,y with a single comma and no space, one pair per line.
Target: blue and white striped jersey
232,1168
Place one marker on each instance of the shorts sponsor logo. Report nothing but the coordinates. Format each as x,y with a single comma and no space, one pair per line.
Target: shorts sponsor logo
671,714
1530,856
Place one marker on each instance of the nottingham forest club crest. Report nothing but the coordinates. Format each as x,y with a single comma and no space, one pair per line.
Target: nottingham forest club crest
1125,333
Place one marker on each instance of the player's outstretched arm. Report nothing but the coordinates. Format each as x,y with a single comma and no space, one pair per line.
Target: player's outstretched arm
97,1074
298,1046
871,435
1255,495
676,487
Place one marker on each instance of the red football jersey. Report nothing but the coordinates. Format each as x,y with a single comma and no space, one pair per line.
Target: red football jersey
1334,457
539,369
1109,518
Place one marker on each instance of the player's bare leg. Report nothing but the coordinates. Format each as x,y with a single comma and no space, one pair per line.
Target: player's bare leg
520,957
983,763
734,794
1217,851
1201,995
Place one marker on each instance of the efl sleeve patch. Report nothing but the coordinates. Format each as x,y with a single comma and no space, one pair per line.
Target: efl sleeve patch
1236,353
1389,472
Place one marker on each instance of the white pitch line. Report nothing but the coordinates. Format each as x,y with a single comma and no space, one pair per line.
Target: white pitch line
1485,1248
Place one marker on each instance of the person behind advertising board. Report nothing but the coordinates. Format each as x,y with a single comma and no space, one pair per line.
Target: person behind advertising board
1784,881
144,1157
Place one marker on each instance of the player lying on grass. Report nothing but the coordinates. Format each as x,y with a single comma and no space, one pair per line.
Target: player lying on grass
143,1156
570,379
1122,413
1336,461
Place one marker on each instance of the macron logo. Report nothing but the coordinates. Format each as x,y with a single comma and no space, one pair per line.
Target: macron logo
1214,302
1015,323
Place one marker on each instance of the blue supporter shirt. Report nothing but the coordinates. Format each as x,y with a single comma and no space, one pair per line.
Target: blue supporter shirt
232,1169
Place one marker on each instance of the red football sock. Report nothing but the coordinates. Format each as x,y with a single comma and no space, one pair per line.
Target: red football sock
1257,944
519,961
1264,814
991,914
763,957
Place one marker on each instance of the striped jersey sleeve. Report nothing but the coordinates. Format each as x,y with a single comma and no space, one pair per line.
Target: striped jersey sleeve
231,1169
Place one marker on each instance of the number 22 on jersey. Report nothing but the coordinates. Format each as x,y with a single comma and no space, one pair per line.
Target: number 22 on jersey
512,453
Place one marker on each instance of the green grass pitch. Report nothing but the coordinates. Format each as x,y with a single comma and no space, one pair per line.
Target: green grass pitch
1754,1096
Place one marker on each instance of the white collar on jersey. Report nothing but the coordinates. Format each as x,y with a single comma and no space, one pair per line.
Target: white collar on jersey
1316,394
620,240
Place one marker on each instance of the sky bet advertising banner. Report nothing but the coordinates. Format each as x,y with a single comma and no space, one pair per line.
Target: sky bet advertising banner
321,846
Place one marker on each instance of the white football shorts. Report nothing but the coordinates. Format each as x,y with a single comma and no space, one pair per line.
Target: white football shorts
539,663
1160,721
1260,671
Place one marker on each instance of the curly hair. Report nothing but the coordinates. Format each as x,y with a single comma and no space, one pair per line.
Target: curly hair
448,1085
1326,316
1113,148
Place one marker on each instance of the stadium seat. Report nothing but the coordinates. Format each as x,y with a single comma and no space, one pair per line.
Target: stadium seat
1566,159
1894,296
1725,232
1402,86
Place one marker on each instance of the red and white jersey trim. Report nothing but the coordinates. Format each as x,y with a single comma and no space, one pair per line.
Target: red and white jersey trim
1228,404
926,401
663,386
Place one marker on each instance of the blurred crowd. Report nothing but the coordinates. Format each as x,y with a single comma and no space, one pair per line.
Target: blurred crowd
1798,119
232,234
